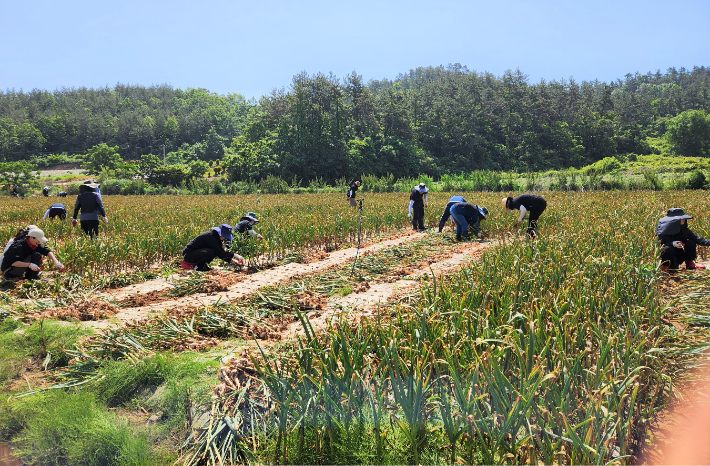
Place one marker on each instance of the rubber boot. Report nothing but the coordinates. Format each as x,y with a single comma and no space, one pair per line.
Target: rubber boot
691,265
458,237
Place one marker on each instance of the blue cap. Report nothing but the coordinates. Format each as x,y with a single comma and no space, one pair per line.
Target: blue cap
224,231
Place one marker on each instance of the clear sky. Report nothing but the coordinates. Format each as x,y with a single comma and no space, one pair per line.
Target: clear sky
251,47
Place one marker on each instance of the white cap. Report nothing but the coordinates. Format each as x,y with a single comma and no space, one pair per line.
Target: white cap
37,234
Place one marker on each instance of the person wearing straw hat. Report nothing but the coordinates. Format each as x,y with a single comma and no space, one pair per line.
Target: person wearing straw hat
89,203
417,203
246,224
205,247
467,216
446,214
24,256
527,203
678,242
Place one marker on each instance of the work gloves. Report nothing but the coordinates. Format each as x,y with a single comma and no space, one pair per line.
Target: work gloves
678,244
105,220
238,260
34,267
479,235
59,265
73,222
409,215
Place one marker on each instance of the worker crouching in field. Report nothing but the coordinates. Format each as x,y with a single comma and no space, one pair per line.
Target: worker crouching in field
246,224
205,247
678,242
90,205
24,256
56,210
447,212
527,203
467,217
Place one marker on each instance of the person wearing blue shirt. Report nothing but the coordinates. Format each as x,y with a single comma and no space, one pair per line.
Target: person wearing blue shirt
56,210
467,217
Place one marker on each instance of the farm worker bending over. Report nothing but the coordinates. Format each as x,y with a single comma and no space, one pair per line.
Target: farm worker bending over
467,215
417,202
350,196
445,216
24,256
90,205
56,210
200,251
246,223
526,203
678,242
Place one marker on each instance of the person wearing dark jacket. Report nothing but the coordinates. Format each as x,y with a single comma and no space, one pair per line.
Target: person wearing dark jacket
56,210
90,205
678,242
246,223
445,216
467,216
205,247
45,191
351,193
532,203
417,202
24,256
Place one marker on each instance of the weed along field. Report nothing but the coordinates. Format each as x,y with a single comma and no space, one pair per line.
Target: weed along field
564,349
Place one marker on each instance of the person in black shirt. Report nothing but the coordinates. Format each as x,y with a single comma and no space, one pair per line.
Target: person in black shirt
417,202
678,242
205,247
246,223
351,193
89,203
56,210
45,191
467,216
24,256
531,203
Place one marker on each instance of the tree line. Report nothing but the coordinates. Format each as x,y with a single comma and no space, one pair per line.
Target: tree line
431,120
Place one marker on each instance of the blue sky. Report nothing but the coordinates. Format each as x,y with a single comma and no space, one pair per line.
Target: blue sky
252,47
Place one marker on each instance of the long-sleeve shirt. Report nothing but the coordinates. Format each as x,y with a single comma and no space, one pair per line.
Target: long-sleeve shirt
445,216
19,250
418,197
59,208
90,205
209,240
527,202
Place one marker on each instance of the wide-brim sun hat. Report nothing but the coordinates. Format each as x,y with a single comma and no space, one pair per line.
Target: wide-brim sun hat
252,216
224,230
505,202
422,188
37,234
675,213
483,211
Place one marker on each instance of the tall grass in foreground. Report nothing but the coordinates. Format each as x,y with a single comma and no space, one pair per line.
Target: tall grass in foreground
547,351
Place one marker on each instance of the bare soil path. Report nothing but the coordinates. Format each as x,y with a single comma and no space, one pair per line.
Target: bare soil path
239,290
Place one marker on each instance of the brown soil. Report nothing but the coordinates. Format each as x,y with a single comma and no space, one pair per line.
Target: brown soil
88,309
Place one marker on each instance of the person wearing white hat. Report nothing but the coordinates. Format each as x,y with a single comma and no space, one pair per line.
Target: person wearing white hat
417,202
532,203
24,256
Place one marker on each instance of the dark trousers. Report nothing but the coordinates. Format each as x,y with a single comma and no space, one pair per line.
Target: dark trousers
418,216
90,227
16,272
672,257
534,215
61,213
201,257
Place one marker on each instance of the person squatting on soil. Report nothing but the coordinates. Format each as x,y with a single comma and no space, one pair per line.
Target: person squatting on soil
205,247
56,210
24,255
417,202
532,203
467,216
246,223
350,196
445,216
678,242
89,203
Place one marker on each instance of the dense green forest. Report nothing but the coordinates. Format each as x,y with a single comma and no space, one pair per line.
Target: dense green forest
432,120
